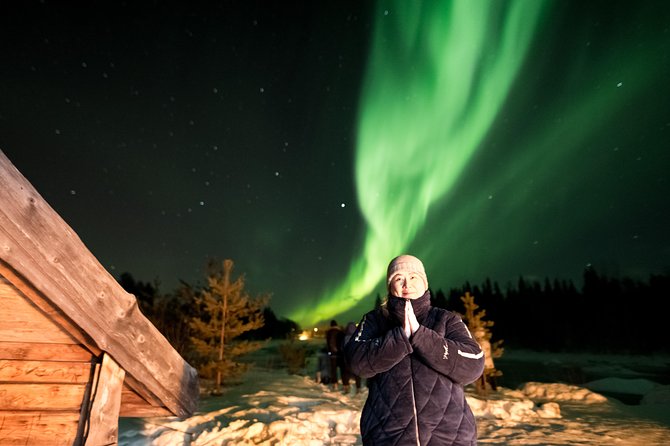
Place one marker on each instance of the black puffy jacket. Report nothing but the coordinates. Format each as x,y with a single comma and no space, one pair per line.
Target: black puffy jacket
416,394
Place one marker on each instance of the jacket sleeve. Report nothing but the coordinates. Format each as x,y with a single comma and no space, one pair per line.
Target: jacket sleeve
372,349
456,355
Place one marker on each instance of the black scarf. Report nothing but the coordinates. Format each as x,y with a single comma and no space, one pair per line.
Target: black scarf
420,305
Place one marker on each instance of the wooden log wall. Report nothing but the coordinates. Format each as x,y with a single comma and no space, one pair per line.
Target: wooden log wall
44,373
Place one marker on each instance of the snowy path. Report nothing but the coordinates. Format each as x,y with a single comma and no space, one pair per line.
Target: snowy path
275,408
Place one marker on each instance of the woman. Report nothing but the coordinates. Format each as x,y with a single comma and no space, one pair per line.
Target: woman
416,359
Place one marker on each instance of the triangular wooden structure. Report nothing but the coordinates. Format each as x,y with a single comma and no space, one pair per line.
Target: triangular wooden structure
75,350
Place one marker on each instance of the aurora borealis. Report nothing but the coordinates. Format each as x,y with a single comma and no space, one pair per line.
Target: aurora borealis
312,142
437,76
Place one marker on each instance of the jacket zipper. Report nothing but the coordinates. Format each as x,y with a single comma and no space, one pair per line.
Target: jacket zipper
416,417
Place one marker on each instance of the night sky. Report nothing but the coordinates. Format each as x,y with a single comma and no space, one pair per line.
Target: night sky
312,141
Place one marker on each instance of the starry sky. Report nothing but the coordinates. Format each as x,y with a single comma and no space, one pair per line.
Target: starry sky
311,142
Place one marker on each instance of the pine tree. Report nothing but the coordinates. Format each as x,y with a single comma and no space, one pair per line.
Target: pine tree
227,311
480,328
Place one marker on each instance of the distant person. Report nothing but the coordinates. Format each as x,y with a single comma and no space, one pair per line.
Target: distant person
348,373
334,343
417,359
323,366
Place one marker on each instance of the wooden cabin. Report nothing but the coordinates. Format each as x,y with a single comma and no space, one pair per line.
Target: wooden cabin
76,353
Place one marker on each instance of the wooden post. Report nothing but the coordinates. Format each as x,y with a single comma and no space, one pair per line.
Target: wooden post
103,418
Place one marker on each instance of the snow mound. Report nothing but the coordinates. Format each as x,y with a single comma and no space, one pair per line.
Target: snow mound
561,392
518,410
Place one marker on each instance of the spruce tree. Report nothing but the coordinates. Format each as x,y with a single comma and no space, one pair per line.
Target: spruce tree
480,329
227,311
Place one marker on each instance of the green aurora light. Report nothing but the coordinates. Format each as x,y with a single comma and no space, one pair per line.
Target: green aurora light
437,75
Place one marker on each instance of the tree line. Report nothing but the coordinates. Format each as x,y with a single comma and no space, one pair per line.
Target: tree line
605,315
215,324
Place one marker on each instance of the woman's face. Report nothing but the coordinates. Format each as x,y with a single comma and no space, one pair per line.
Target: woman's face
407,285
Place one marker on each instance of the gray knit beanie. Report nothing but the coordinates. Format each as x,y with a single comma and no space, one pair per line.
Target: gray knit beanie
406,263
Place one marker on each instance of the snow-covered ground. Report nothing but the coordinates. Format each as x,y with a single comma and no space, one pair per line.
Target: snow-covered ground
273,407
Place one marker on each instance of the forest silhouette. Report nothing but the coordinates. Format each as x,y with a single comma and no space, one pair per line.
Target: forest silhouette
605,315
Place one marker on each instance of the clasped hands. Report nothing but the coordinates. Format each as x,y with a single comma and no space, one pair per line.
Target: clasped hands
411,324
